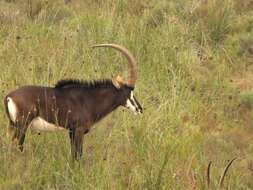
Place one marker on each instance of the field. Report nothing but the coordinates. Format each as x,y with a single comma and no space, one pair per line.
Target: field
195,69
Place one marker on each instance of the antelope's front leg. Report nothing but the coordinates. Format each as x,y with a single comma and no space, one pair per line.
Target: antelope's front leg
76,140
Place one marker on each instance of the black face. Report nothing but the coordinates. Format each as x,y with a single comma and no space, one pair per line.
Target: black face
132,103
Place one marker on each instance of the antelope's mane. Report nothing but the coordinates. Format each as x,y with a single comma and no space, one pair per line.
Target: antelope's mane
75,83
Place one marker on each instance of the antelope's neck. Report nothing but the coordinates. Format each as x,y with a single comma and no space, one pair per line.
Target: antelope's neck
104,105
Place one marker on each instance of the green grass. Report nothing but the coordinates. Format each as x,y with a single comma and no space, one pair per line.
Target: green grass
195,75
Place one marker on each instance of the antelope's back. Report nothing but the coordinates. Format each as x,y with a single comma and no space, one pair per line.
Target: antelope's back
26,99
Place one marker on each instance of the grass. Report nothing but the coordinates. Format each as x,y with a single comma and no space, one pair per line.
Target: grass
195,71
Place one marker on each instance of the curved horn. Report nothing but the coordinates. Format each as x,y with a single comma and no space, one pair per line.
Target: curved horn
132,65
208,178
225,172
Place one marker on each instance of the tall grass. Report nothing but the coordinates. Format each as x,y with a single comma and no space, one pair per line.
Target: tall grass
193,62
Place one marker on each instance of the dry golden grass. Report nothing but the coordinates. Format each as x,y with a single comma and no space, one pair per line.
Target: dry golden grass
195,83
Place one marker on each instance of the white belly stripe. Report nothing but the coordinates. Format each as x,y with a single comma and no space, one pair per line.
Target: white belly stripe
38,124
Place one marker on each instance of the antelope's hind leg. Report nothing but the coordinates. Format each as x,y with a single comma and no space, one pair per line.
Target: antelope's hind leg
18,137
20,132
11,130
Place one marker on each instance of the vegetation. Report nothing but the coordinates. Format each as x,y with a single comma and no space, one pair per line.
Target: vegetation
195,61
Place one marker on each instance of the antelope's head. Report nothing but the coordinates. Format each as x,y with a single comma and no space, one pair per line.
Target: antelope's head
126,89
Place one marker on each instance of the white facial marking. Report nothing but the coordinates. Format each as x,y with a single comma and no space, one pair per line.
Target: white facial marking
130,106
38,124
133,100
132,95
12,109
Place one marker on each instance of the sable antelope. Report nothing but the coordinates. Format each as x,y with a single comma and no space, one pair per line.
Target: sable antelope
71,104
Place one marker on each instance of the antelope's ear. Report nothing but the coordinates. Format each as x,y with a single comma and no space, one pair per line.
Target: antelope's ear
118,82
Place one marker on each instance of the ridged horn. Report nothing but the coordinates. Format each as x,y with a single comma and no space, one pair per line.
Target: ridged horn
208,178
221,182
132,65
